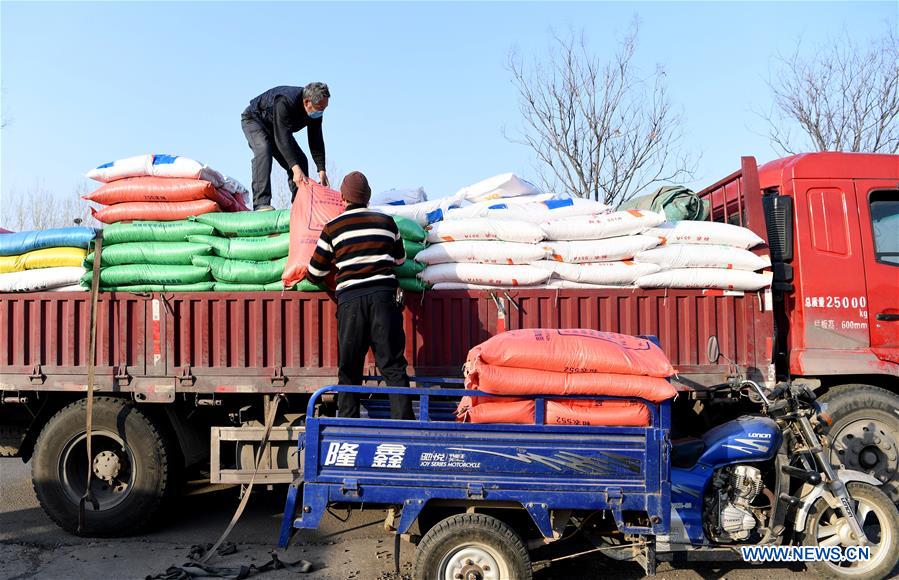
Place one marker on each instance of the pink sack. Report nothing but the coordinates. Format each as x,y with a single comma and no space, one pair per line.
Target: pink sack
314,206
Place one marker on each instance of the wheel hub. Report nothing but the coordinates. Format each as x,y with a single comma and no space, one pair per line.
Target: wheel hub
107,465
472,563
867,445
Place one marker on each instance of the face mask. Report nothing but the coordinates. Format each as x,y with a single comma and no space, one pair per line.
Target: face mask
316,114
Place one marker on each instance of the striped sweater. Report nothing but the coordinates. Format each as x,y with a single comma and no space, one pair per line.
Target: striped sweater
365,245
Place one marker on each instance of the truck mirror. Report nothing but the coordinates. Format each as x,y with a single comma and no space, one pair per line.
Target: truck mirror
712,349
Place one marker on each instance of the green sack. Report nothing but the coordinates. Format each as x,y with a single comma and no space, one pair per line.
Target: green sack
166,253
248,223
198,287
413,285
242,271
134,274
409,229
675,201
412,248
257,248
409,269
232,287
176,231
307,286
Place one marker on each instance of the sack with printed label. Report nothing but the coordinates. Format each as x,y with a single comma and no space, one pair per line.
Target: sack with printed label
484,252
482,208
706,233
487,274
607,250
160,189
701,256
46,258
623,273
314,206
619,223
485,229
539,212
588,413
160,165
496,187
157,211
573,350
40,280
423,213
710,278
404,196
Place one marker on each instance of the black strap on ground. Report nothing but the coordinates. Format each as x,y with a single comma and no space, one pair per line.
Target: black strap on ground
192,570
91,371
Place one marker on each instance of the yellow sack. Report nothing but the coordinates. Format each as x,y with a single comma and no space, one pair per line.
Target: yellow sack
46,258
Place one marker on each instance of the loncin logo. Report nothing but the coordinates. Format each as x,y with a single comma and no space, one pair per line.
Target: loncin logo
805,554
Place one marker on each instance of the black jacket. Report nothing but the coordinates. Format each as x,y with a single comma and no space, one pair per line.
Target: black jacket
281,110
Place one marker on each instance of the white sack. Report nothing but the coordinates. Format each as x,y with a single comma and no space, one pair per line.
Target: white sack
552,284
708,233
421,213
596,227
607,250
487,274
405,196
484,229
605,273
164,166
498,186
482,208
536,212
41,279
700,256
70,288
706,278
481,252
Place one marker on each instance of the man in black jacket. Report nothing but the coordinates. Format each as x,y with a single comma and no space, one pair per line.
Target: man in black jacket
269,124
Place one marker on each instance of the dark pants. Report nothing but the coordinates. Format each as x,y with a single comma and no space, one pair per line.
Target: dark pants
262,142
376,321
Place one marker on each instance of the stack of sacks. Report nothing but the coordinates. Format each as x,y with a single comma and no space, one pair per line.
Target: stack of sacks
566,362
483,252
701,254
47,260
413,242
152,257
249,250
406,196
598,250
162,188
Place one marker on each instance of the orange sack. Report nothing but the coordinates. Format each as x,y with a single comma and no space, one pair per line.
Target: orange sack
574,351
590,413
158,211
499,380
313,207
163,189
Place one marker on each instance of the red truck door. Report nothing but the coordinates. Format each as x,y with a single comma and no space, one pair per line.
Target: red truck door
879,215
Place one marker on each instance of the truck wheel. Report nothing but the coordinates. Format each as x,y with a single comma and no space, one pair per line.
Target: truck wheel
880,522
865,432
472,547
130,468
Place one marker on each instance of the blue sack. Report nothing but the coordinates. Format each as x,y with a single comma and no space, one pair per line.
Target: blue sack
74,237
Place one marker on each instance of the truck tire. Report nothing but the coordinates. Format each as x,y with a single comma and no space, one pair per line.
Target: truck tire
472,546
131,468
880,521
865,432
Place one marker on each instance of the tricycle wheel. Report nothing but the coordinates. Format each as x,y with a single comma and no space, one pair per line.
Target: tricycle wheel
880,521
472,547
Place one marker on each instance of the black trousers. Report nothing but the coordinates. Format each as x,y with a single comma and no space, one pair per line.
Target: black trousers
374,320
262,142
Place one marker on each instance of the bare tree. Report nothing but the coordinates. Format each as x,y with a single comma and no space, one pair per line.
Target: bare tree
839,97
599,129
37,208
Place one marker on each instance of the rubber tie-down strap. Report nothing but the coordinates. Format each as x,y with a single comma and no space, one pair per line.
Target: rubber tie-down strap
91,371
197,570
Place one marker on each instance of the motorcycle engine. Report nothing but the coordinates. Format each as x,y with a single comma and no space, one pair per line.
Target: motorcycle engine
728,512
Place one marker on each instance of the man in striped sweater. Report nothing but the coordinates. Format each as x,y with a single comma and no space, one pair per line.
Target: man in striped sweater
364,245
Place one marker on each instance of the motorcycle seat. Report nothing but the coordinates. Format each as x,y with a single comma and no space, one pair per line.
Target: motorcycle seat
686,452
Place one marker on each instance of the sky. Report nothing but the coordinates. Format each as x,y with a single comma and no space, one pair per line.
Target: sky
420,91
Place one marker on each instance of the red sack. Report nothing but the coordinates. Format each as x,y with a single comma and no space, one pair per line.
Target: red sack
499,380
590,413
159,211
574,351
313,207
163,189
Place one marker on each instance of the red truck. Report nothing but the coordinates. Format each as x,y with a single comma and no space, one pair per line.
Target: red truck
185,381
